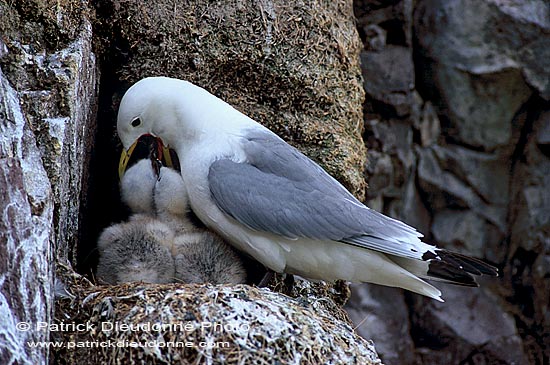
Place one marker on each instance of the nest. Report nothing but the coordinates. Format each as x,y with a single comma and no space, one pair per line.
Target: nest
141,323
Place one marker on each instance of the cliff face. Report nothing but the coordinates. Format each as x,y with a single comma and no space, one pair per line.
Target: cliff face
456,119
293,68
47,115
456,123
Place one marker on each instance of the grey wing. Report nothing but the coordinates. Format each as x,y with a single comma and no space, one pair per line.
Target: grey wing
279,190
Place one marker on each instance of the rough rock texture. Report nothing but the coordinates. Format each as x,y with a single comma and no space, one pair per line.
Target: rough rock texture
294,67
483,59
26,207
49,61
381,312
458,147
468,327
528,261
47,98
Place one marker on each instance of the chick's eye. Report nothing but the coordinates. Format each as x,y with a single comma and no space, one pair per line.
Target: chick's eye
136,122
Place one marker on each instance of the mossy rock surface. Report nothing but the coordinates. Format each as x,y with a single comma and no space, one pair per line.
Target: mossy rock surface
290,66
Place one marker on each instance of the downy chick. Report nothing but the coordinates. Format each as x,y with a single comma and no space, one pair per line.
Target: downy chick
200,255
138,250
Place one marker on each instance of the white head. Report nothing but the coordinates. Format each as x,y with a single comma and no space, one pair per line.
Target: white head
172,110
150,106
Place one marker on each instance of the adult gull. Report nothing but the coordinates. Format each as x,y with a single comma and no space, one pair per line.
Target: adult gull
272,202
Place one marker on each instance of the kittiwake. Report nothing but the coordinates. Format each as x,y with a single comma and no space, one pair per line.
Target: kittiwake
199,255
137,250
272,202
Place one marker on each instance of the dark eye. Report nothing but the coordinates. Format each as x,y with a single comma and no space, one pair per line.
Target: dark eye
136,122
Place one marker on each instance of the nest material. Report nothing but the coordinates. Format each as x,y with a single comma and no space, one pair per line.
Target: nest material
211,324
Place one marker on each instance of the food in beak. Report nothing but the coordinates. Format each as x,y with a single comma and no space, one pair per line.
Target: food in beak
146,146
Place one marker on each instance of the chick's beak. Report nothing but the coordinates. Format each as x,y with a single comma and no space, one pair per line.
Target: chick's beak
167,157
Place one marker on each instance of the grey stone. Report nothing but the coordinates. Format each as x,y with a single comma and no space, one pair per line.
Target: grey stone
471,323
66,135
487,173
428,125
26,207
485,37
389,77
482,180
379,173
481,121
391,134
543,133
477,57
529,251
531,219
403,143
480,185
445,189
380,12
376,37
47,98
376,203
394,141
468,232
60,104
411,208
380,313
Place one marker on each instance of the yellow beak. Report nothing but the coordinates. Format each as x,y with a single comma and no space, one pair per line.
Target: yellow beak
125,158
127,154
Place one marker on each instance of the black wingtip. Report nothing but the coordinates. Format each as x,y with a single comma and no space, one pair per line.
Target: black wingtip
442,270
469,263
457,268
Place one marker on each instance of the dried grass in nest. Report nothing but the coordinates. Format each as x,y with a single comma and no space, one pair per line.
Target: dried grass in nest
254,326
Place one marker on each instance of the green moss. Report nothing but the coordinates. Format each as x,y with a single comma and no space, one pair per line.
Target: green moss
45,24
